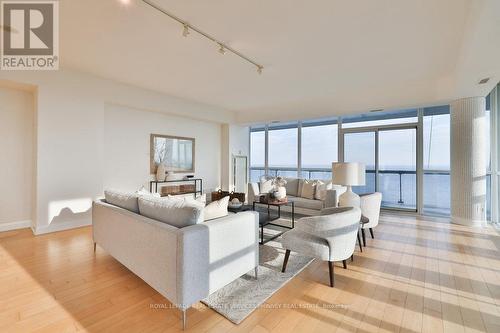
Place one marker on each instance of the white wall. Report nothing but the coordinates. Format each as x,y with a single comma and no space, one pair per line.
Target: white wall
70,131
17,160
126,146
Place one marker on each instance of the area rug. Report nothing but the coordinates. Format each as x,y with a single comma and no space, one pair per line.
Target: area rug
240,298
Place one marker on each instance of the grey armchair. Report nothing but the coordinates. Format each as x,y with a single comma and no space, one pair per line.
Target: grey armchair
330,237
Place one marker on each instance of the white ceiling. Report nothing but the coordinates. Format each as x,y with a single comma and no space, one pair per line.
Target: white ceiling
322,57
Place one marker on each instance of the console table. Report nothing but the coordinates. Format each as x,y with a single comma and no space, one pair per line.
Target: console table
198,185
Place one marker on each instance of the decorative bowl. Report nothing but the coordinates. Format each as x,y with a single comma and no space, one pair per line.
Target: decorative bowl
235,205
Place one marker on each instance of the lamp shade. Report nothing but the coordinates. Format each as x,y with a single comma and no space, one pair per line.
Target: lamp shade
348,174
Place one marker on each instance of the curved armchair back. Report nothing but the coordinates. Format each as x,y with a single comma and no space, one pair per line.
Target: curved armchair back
370,208
339,226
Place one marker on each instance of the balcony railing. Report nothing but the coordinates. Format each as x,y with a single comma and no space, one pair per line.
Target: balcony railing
397,186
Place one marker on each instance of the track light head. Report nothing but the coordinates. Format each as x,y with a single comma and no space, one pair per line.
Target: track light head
185,31
222,49
259,69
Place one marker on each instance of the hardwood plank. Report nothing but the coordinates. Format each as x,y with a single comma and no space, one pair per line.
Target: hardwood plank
419,274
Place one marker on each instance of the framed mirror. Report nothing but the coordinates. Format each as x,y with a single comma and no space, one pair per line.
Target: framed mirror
177,153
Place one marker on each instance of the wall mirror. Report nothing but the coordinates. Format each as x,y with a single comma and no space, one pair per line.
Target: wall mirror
240,173
177,153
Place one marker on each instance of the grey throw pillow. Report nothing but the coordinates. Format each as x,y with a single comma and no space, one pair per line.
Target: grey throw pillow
125,200
176,212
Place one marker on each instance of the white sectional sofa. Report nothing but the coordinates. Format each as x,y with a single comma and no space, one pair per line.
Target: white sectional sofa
184,264
306,206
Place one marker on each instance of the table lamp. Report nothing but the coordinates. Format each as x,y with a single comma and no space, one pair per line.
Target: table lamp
349,174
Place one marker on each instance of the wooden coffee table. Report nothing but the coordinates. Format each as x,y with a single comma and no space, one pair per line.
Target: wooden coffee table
265,220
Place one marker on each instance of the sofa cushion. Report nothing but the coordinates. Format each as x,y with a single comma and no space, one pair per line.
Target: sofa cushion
176,212
307,203
292,186
125,200
299,189
308,188
216,209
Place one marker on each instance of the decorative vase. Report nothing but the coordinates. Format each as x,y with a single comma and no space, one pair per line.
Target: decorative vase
161,172
280,194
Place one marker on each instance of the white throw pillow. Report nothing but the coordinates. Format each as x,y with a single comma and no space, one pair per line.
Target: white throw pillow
201,198
266,185
308,188
321,189
216,209
144,191
176,212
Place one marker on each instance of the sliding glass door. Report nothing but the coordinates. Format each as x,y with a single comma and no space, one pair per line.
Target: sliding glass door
397,168
360,147
390,156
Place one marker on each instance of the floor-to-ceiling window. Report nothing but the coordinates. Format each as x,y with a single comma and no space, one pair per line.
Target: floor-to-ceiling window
493,104
387,142
397,167
436,160
492,136
487,138
360,147
283,150
257,153
319,147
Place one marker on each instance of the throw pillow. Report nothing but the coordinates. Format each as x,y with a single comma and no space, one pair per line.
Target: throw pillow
216,209
144,191
321,189
266,185
176,212
292,186
125,200
308,188
200,198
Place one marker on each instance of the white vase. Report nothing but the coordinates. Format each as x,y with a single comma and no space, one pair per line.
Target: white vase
161,172
280,193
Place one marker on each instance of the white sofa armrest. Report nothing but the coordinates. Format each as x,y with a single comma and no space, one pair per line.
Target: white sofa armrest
332,196
215,253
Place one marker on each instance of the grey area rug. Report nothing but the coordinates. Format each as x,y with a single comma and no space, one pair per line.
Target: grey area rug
240,298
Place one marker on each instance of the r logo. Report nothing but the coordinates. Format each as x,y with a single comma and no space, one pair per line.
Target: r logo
29,29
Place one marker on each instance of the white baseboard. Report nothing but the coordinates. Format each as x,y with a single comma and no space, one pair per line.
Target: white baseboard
54,227
15,225
468,222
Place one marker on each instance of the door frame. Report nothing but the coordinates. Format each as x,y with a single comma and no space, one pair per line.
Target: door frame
417,126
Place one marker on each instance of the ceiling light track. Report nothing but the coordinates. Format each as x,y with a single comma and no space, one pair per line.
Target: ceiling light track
187,28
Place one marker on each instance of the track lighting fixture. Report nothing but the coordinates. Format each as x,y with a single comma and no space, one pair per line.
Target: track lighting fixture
222,50
185,31
187,28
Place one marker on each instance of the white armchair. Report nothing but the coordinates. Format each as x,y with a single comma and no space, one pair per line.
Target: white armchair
370,208
329,237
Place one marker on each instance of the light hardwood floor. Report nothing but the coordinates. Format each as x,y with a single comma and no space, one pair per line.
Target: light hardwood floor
417,275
